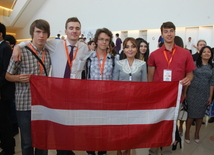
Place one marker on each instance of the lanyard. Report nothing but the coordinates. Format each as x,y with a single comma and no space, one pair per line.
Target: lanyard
169,61
43,57
101,66
67,54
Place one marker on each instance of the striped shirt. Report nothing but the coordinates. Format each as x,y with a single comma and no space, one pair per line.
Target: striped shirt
28,65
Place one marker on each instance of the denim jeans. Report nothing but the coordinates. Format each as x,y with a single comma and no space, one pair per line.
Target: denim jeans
24,121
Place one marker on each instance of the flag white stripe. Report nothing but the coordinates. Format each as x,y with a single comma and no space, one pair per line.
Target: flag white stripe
102,117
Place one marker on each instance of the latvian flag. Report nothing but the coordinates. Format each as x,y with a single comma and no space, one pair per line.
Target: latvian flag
71,114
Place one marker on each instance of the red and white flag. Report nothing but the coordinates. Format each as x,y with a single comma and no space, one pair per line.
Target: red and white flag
71,114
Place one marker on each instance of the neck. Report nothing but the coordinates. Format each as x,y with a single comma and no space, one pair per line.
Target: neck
204,62
130,61
101,52
169,46
39,47
72,42
141,56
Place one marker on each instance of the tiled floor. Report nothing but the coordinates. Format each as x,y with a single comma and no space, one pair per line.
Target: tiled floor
205,147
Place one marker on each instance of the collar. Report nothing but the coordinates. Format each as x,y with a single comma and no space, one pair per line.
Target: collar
1,41
37,48
163,48
68,43
93,55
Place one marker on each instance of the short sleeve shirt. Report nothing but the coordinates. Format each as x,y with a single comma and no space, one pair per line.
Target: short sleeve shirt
182,63
28,65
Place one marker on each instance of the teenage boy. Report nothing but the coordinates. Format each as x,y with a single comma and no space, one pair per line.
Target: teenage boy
19,72
100,64
169,63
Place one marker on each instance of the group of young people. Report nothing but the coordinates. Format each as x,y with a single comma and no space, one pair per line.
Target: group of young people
70,58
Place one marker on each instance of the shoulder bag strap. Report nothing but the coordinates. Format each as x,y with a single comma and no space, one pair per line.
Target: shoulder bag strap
40,61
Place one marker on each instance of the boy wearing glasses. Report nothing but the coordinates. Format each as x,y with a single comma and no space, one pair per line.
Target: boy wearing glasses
100,64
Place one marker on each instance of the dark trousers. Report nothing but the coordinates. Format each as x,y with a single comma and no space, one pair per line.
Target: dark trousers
64,152
99,152
7,140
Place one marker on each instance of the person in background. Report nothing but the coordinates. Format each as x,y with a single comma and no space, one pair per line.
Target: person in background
12,42
113,51
211,119
200,92
189,45
81,39
201,43
143,50
58,36
118,43
7,90
91,45
160,41
130,69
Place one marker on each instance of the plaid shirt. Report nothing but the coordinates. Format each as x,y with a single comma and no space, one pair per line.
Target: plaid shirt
28,65
93,66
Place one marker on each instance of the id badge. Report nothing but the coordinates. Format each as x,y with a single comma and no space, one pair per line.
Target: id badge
167,75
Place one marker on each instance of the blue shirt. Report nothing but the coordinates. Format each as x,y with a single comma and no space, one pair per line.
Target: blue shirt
93,66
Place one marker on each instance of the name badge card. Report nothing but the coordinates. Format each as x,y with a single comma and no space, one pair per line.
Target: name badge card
167,75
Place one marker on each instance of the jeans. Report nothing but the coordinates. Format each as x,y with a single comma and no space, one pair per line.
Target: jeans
24,121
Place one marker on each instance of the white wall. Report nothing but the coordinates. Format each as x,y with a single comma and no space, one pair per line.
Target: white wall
126,15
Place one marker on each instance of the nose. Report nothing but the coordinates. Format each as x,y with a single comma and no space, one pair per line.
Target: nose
130,48
41,34
74,30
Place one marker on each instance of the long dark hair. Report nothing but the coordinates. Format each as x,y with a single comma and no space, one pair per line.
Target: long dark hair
146,55
199,60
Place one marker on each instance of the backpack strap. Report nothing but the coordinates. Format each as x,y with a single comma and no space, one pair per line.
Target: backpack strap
39,60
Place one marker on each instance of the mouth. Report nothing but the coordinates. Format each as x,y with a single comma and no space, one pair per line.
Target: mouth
130,53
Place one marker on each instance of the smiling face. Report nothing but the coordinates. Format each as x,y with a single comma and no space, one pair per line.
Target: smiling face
130,50
73,31
168,34
143,48
206,54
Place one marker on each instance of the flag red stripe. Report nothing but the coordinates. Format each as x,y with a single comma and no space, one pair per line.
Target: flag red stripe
49,135
61,93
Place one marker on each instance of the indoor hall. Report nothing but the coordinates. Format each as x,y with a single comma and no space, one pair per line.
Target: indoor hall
129,19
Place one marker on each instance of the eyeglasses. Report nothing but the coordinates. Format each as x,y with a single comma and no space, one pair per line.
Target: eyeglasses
104,40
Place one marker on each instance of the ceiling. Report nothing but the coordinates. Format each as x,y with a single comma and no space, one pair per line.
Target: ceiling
7,3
